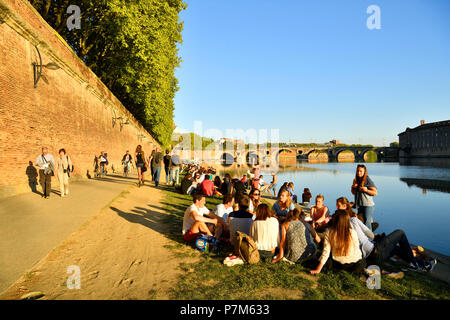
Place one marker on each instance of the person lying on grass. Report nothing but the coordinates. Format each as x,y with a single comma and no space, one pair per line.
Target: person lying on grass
341,241
376,249
194,221
297,237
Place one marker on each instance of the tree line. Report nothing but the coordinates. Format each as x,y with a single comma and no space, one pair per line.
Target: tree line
131,45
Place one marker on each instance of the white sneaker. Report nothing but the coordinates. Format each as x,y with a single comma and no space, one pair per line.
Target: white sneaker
286,260
62,195
67,192
429,265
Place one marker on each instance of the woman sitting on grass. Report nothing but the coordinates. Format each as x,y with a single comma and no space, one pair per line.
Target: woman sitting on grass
320,214
341,241
283,205
255,200
297,236
306,196
265,231
376,249
195,183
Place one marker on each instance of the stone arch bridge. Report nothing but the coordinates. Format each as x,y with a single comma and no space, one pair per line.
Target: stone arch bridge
288,155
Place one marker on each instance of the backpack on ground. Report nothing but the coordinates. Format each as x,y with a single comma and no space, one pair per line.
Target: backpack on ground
206,243
245,248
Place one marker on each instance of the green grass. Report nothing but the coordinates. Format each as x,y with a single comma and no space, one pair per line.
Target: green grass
208,278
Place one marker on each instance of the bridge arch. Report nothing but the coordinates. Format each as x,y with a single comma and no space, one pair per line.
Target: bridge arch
252,158
318,152
365,152
227,159
278,152
354,152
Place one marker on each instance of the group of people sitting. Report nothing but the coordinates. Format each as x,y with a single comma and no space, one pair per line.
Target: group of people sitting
203,180
283,231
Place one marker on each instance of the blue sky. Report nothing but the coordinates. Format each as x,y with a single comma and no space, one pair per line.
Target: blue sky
312,69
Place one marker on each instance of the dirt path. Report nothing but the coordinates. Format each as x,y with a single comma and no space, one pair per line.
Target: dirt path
121,254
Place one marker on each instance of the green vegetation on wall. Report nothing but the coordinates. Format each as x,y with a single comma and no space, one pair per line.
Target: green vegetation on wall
131,45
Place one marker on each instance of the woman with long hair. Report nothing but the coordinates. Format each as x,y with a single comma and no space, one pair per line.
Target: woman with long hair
298,238
283,205
255,200
226,186
265,231
341,241
364,190
139,155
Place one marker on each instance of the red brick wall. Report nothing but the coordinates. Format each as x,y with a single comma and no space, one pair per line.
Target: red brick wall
70,108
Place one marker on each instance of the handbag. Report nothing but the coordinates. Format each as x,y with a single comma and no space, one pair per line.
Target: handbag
69,168
49,170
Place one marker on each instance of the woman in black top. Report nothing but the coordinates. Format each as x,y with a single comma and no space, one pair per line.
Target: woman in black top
140,164
167,166
226,185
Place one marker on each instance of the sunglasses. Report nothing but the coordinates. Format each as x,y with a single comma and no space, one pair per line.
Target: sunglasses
256,194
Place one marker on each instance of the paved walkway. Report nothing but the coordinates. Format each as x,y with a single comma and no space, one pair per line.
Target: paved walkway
31,226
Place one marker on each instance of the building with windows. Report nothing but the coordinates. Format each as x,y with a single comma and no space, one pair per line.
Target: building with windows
426,140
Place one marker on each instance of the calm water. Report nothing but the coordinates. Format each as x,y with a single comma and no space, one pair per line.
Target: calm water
413,198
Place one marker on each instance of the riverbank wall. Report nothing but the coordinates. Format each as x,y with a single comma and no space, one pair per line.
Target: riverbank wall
67,108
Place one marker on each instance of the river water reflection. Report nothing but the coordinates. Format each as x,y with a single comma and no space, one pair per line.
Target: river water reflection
415,198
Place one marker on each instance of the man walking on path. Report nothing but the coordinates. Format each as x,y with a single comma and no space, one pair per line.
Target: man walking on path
46,165
156,162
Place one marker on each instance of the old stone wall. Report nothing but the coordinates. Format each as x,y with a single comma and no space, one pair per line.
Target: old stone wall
70,107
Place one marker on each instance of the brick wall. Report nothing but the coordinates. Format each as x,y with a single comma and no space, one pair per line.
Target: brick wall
70,108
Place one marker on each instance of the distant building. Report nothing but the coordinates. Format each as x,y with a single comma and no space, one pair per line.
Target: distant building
335,142
426,140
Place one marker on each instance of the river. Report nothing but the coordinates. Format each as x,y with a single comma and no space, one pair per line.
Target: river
415,198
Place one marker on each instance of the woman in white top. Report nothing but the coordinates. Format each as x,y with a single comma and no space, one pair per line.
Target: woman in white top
62,167
343,244
265,231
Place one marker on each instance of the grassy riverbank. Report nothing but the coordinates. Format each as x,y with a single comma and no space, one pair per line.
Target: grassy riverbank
207,278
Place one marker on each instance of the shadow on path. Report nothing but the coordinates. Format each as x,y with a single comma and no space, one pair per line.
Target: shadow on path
167,225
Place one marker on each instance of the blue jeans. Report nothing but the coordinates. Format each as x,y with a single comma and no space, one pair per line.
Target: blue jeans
367,213
175,173
273,188
157,172
395,243
168,174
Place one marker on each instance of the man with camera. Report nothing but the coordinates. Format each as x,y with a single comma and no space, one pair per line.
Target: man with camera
46,165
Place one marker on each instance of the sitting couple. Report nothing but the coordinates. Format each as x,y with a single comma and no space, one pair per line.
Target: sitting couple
197,217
